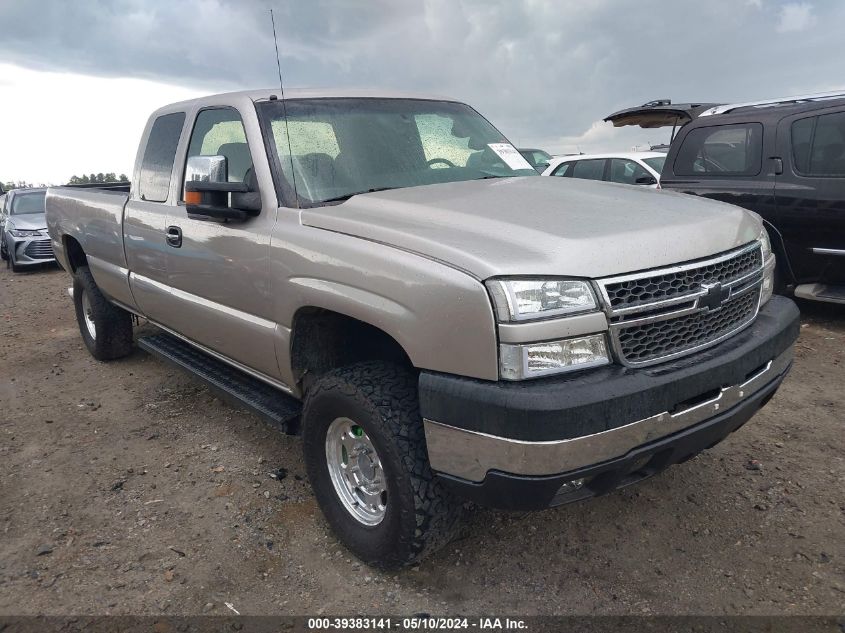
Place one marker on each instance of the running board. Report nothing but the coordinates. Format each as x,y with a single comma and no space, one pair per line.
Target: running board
821,292
233,385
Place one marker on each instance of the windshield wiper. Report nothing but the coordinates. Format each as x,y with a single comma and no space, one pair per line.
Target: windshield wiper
346,196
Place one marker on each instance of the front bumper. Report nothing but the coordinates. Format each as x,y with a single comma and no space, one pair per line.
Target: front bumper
518,445
29,251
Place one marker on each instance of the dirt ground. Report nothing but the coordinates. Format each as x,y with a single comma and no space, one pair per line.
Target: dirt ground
128,488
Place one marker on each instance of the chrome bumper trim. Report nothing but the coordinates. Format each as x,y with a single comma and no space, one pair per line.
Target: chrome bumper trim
471,454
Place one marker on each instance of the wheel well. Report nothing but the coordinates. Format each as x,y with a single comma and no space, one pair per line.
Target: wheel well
787,276
324,340
75,255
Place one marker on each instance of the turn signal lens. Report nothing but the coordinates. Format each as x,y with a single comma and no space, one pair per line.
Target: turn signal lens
532,360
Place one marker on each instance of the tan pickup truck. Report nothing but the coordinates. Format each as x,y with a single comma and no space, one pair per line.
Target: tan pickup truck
387,276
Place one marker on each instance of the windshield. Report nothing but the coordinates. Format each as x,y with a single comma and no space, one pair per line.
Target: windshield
341,147
25,203
655,163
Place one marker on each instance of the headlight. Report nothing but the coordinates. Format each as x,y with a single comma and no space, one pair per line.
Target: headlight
768,267
21,233
532,360
522,299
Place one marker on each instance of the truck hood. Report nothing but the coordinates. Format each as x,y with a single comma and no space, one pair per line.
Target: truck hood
28,221
542,225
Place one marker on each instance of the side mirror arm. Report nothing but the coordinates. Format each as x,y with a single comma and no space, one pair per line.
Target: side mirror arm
205,199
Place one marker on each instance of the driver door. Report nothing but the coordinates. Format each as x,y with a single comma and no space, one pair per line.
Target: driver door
218,270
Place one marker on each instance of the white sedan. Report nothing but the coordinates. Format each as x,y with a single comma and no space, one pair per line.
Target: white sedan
630,168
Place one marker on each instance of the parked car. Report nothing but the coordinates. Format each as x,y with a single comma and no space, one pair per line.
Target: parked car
538,158
782,158
456,326
25,241
627,168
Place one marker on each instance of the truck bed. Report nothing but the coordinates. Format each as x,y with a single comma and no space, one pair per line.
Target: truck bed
93,218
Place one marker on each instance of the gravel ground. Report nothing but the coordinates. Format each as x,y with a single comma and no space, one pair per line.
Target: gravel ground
128,488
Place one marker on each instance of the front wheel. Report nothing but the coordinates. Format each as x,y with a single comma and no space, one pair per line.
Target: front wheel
367,461
105,328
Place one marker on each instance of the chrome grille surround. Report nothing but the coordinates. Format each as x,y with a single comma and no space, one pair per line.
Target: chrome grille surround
661,314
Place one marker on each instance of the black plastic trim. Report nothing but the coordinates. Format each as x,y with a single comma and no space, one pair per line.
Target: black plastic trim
595,400
519,492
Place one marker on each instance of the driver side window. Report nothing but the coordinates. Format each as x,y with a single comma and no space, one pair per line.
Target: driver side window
220,132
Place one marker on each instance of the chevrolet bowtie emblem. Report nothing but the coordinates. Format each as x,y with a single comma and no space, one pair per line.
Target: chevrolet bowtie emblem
714,296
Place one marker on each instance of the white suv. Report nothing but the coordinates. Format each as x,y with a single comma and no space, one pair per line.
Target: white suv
629,168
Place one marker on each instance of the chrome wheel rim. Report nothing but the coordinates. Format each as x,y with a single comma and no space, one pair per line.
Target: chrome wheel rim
89,316
356,472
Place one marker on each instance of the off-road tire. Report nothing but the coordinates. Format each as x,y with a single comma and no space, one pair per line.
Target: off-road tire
113,325
421,515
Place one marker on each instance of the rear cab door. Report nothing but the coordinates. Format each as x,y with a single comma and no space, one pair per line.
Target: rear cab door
145,214
810,195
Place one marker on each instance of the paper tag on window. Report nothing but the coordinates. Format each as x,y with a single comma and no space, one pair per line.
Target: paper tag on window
510,155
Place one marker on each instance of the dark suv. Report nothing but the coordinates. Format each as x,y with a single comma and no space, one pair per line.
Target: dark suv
784,159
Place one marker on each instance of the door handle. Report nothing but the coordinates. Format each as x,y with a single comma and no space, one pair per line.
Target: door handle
174,236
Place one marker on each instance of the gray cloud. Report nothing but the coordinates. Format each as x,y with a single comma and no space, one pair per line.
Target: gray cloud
542,70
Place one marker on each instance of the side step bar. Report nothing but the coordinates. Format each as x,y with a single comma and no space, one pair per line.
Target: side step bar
821,292
236,387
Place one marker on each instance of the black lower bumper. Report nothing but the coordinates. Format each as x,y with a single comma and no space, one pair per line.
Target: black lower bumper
514,492
598,404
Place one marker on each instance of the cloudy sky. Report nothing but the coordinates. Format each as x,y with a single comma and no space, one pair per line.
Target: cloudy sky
78,79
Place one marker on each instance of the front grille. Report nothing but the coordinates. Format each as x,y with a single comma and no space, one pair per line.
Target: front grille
643,290
40,249
661,314
642,343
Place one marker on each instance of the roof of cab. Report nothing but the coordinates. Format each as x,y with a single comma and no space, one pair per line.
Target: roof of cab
310,93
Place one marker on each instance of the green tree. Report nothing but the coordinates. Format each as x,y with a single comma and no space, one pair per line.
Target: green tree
123,177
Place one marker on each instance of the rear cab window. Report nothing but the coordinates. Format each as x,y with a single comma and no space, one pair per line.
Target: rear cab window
818,145
721,150
159,154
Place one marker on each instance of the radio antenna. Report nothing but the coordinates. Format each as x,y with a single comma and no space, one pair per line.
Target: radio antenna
278,61
284,107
